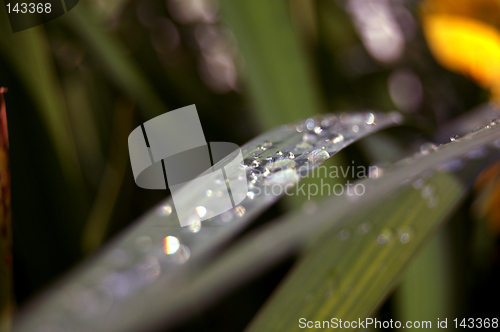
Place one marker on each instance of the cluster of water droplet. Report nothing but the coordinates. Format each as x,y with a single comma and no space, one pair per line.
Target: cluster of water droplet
153,250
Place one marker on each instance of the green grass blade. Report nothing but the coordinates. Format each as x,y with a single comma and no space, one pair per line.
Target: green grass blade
37,71
346,278
115,59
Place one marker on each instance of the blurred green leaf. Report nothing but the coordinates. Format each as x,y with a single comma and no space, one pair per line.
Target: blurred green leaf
29,54
115,59
348,273
278,77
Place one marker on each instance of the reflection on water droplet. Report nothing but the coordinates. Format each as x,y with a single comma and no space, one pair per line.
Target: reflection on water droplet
309,138
182,255
404,238
250,194
255,163
364,228
201,211
428,147
453,138
281,164
239,211
209,193
318,155
355,128
143,243
310,124
195,227
291,155
266,172
279,153
385,237
165,210
370,118
300,128
318,130
344,234
288,176
171,244
336,138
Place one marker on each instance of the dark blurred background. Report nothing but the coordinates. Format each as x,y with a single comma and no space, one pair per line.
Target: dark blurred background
79,84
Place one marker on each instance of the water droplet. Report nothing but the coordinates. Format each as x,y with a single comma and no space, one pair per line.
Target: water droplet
355,128
239,211
279,153
171,244
181,255
384,238
451,166
336,138
291,155
428,148
226,216
267,144
477,153
209,193
419,183
310,124
165,210
318,130
201,211
255,164
281,164
300,128
453,138
303,146
344,234
250,194
195,227
404,238
288,176
494,122
266,172
370,118
427,191
318,155
432,202
143,243
309,138
364,228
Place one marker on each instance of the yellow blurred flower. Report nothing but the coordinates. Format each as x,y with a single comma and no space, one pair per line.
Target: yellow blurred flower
464,37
